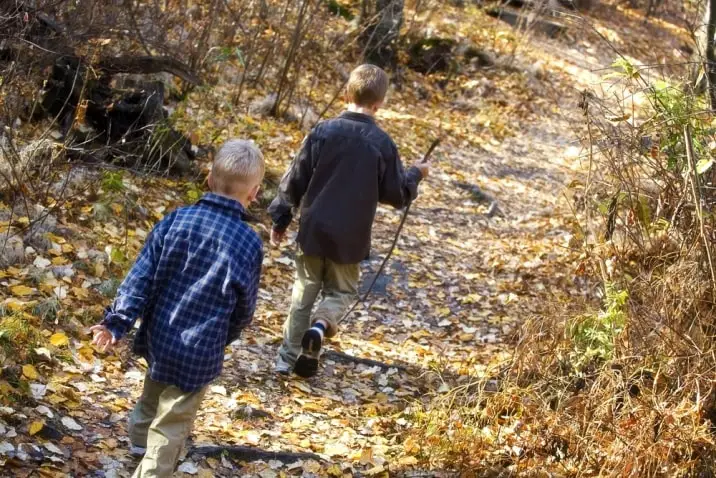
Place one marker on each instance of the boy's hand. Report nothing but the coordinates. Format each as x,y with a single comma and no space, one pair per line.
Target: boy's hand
103,338
277,237
424,167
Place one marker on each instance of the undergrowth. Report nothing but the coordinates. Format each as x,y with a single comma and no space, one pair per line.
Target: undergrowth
627,388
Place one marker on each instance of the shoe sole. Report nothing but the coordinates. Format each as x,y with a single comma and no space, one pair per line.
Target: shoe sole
307,363
306,366
311,342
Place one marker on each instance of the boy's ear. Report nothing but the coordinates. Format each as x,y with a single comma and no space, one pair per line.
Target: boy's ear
254,193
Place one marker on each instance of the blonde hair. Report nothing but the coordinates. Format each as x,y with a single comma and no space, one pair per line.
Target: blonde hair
237,164
367,85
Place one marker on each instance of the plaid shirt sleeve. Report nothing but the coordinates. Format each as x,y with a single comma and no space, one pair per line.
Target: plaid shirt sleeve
136,290
246,301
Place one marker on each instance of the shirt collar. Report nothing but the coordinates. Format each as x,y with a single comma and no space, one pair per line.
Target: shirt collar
352,115
224,202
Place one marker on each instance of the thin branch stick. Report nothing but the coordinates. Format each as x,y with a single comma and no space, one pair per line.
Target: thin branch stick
697,197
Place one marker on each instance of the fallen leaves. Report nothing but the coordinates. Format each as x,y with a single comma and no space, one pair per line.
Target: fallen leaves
59,339
22,290
30,372
35,427
71,424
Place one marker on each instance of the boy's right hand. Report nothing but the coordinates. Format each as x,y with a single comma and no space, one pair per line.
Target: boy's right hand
103,338
277,237
424,167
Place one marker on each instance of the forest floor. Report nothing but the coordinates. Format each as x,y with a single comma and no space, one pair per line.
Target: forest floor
459,285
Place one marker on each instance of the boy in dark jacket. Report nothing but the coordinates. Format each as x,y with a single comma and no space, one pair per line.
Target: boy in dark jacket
345,167
195,285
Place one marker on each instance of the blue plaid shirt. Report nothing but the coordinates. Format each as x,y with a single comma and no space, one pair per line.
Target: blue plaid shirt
195,285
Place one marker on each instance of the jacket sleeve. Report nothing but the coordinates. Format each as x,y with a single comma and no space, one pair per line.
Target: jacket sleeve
246,300
294,185
397,187
135,292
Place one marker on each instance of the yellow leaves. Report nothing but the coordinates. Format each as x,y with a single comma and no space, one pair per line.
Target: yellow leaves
411,446
117,208
336,449
22,290
5,388
30,372
80,293
18,305
335,471
86,353
408,461
59,339
366,456
376,471
59,261
35,427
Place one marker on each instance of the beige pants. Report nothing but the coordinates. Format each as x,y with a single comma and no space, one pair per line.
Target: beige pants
161,422
338,286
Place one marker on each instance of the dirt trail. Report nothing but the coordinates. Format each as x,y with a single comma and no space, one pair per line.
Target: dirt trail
458,285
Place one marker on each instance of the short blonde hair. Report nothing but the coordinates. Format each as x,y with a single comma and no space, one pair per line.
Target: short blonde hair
237,163
367,86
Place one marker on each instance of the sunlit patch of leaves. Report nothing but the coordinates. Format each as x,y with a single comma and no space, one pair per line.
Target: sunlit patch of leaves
19,335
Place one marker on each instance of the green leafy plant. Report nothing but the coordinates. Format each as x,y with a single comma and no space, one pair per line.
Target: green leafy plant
113,181
193,193
594,336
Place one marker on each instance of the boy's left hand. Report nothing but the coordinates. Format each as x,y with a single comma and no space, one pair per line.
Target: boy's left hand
103,338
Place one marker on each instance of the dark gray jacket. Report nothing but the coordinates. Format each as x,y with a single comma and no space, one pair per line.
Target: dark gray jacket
346,166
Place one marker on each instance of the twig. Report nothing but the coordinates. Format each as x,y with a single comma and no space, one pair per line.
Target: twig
697,198
392,247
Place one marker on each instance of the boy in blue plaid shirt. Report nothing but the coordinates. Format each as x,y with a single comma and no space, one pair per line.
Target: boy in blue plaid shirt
195,285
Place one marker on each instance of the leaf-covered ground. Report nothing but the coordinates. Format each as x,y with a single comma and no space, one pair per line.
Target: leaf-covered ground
466,272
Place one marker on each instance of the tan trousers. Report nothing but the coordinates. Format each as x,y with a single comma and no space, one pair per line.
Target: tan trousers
338,286
161,422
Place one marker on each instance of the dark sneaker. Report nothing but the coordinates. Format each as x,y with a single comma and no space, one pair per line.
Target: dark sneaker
307,363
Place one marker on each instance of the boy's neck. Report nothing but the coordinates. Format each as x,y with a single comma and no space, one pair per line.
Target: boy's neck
354,108
244,201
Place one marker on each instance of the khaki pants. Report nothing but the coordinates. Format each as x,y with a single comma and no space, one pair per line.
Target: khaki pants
338,286
161,422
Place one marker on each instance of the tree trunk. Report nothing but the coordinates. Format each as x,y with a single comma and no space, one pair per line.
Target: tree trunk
705,37
710,20
382,20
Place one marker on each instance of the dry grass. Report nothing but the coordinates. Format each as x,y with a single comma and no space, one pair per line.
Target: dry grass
626,387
